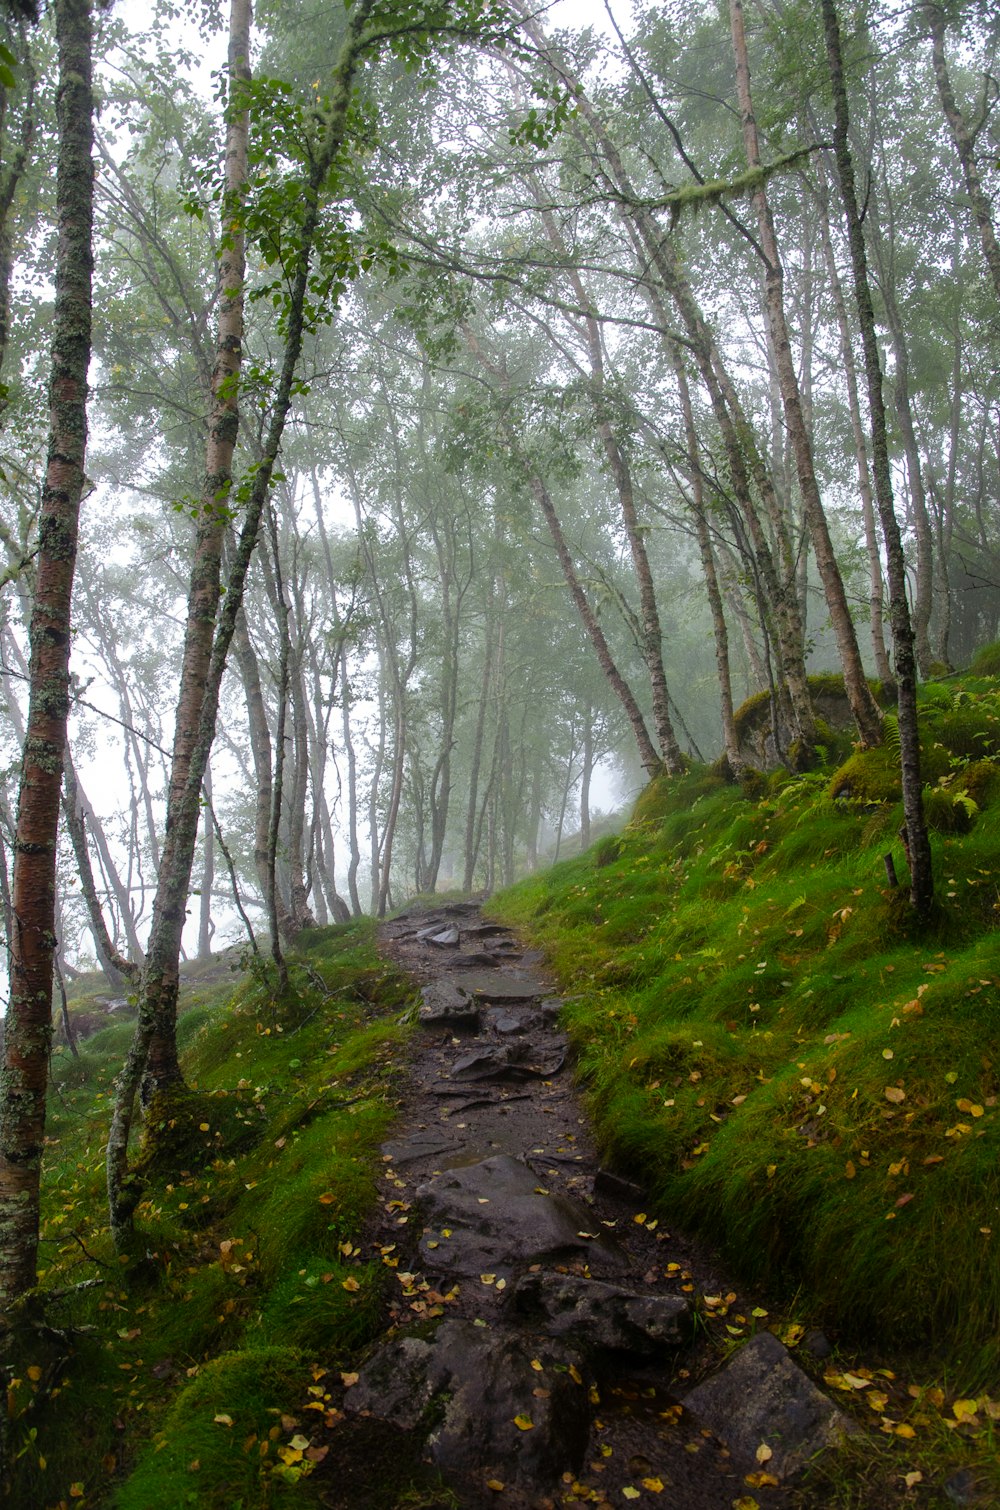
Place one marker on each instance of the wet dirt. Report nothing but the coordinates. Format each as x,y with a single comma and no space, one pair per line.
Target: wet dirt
494,1083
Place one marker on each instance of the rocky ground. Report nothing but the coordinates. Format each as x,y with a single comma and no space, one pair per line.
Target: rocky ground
550,1343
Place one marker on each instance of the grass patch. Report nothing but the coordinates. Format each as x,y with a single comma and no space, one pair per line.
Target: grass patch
250,1268
791,1067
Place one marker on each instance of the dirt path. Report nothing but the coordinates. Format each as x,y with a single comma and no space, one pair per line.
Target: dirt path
546,1330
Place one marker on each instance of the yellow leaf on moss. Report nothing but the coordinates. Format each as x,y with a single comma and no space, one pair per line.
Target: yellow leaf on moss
524,1423
350,1283
895,1094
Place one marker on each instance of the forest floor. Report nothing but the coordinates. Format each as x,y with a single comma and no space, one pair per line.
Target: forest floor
489,1082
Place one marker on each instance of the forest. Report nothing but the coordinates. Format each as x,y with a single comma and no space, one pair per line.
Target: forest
441,440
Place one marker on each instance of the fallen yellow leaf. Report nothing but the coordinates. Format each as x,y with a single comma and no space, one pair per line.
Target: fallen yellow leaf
655,1486
764,1454
895,1094
223,1420
524,1423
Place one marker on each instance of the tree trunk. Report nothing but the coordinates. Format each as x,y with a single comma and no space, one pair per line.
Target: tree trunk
864,709
206,927
965,144
586,776
204,584
28,1025
115,965
876,588
158,999
352,787
918,845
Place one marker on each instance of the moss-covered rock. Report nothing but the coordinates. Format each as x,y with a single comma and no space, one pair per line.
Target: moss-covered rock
869,776
986,661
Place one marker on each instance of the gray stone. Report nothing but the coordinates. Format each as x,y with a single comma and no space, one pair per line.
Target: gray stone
600,1315
462,1389
446,939
498,1219
762,1397
445,1004
503,1020
506,1061
499,987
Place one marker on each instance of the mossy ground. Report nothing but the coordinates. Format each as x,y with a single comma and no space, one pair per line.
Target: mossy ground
792,1067
196,1372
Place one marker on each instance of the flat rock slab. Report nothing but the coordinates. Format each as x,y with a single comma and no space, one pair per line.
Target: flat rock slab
762,1396
499,1219
499,987
445,1004
599,1315
507,1061
505,1022
463,1390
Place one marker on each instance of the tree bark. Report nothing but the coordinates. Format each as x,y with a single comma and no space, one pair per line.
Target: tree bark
876,587
116,966
28,1025
864,709
204,585
918,844
158,1000
965,144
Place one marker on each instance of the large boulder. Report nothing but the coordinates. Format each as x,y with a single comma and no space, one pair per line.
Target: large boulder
489,1404
761,1399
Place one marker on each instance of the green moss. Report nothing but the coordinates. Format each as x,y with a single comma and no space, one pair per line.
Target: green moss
746,988
201,1455
986,661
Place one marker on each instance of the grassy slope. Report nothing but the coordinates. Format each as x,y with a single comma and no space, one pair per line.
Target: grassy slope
793,1069
174,1377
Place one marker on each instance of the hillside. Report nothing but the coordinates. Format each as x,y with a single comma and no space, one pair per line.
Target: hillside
791,1073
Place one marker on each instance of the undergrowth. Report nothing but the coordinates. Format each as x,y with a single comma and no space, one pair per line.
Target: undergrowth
791,1066
198,1371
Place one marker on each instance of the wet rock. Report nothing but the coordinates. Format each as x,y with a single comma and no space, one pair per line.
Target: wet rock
762,1397
499,987
502,1020
446,939
488,930
474,961
464,1389
599,1315
499,1219
445,1005
507,1062
817,1344
418,1146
